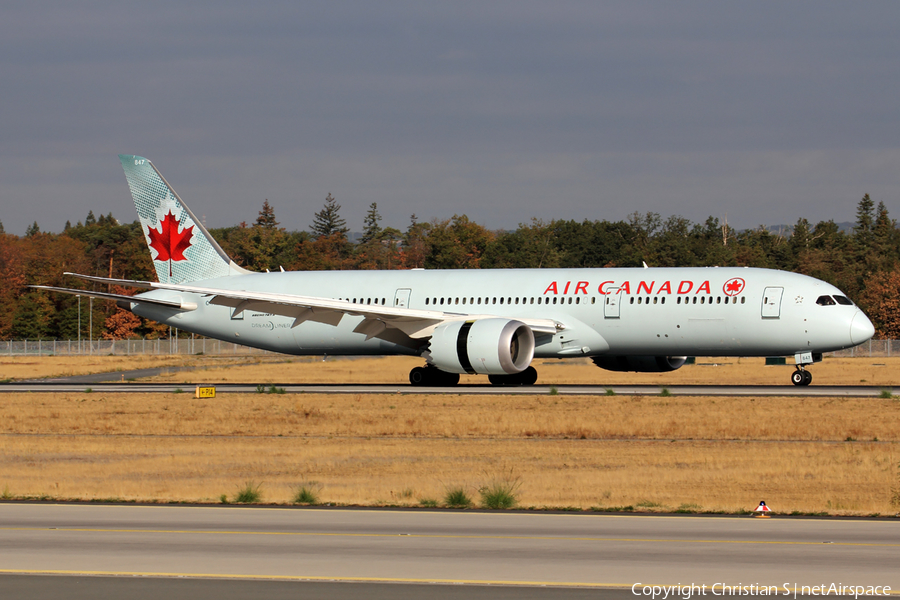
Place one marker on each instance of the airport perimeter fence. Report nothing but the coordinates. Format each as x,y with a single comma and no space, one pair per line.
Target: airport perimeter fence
184,346
873,348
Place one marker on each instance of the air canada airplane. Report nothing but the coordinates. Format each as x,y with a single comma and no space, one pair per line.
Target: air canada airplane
489,322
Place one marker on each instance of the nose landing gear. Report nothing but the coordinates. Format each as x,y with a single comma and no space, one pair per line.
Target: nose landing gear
803,359
801,376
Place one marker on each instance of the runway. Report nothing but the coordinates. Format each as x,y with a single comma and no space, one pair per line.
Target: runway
859,391
393,547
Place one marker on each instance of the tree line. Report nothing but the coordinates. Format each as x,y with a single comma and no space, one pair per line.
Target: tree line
863,261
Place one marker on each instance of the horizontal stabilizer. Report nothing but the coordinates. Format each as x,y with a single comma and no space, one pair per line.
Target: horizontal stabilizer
120,297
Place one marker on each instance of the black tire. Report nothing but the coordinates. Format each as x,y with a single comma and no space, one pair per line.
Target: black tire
528,376
797,377
807,378
418,376
447,379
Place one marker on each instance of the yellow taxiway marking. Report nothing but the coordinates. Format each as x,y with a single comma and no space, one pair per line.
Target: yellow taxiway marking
440,536
425,580
312,578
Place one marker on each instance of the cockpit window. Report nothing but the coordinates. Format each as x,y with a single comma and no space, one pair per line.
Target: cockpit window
844,300
825,301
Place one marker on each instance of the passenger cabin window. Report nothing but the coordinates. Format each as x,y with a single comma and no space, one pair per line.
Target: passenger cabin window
825,301
843,300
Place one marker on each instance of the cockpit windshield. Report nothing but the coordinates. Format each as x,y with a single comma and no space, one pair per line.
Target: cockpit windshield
831,301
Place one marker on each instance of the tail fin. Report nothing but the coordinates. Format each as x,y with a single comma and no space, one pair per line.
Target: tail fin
182,249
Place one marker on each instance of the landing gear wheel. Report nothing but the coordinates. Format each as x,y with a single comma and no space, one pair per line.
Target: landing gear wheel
529,376
447,379
526,377
420,376
801,377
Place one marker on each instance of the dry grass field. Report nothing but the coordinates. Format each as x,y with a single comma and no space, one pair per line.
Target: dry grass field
651,453
273,369
395,370
35,367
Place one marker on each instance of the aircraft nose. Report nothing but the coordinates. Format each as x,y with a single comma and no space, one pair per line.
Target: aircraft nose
861,329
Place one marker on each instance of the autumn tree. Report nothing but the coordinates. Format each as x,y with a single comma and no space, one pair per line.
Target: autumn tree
121,324
456,243
262,246
531,246
881,302
414,248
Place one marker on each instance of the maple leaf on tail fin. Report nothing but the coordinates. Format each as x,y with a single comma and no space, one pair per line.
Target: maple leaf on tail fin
168,242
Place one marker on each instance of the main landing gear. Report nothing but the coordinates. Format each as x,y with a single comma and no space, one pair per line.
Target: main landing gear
801,376
526,377
432,376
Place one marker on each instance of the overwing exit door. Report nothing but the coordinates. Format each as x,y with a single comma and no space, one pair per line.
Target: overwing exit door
401,298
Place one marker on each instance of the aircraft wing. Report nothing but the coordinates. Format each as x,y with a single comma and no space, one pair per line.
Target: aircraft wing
414,323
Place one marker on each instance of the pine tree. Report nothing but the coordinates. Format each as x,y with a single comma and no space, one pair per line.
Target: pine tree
1,227
90,219
266,218
415,246
865,221
33,317
328,221
371,228
883,223
32,230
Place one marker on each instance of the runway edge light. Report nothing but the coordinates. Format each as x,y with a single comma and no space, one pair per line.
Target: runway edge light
762,510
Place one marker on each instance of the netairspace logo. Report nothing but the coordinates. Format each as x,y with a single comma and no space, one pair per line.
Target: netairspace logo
685,592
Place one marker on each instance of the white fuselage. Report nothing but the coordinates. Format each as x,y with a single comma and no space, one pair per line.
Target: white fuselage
621,312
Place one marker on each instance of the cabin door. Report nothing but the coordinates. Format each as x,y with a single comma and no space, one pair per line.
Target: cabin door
611,304
771,305
401,298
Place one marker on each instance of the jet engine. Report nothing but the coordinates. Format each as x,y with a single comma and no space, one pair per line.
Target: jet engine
484,346
640,364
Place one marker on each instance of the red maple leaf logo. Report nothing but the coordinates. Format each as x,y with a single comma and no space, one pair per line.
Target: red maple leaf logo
733,287
168,242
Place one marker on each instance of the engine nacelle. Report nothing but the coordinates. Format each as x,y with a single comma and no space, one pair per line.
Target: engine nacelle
640,364
485,346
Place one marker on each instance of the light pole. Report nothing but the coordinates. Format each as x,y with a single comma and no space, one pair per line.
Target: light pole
79,324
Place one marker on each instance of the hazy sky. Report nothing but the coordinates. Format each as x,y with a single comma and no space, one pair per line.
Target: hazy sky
761,111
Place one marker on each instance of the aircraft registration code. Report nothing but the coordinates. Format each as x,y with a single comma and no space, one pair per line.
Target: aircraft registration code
205,392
